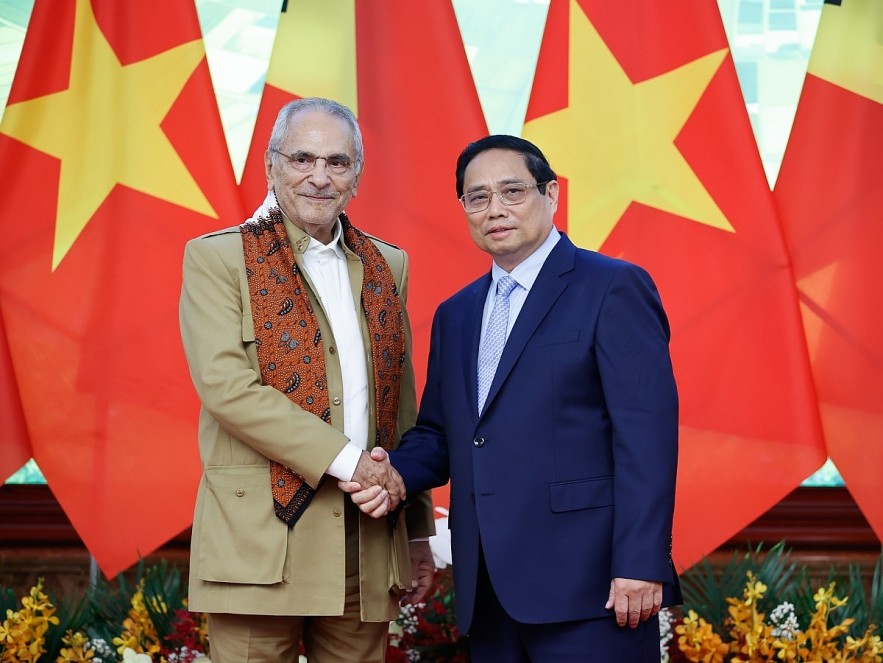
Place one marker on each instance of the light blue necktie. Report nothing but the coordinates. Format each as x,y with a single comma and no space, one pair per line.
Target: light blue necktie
494,338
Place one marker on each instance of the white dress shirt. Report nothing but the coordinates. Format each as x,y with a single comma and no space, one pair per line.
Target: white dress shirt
326,266
525,274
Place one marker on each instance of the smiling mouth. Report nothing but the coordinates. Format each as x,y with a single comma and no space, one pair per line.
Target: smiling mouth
313,196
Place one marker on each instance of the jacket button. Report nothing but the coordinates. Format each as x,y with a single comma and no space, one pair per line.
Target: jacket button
336,400
336,513
240,492
478,442
332,350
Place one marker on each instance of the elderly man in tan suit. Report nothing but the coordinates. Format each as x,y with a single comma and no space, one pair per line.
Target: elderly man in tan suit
296,333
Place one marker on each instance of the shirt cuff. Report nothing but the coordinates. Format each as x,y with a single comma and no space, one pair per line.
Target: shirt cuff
343,466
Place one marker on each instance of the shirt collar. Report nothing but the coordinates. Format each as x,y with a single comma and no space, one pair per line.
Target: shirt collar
303,243
334,245
526,272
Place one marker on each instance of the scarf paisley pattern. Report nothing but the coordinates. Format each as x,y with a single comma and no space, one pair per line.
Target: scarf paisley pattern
289,342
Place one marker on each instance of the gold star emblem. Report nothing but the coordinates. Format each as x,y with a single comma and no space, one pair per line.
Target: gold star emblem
615,140
105,129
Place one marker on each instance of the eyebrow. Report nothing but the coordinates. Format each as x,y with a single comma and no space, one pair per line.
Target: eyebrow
305,153
506,180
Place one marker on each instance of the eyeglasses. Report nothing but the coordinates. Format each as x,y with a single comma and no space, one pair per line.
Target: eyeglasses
512,193
305,162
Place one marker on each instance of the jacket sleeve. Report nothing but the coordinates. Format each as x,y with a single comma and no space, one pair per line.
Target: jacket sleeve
641,397
218,337
419,516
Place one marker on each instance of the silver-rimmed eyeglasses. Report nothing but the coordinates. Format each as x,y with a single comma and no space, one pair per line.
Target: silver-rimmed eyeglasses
511,193
305,161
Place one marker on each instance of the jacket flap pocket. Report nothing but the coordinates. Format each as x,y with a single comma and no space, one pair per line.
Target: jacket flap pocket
582,494
241,540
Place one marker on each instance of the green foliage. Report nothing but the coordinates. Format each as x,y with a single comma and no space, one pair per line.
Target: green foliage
163,594
72,616
706,590
8,601
102,610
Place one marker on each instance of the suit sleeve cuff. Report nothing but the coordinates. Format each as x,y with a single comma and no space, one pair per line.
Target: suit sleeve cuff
343,466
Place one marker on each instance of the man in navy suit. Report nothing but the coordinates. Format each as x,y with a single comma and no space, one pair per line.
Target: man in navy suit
562,451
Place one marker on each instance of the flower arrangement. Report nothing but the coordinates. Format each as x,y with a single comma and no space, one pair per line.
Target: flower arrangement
775,614
759,607
142,623
428,631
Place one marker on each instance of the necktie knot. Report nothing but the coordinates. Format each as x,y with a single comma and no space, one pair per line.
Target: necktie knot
505,286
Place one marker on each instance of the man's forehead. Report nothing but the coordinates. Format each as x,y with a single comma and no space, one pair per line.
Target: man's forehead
318,127
496,163
481,183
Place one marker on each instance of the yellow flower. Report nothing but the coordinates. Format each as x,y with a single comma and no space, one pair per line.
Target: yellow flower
23,632
77,648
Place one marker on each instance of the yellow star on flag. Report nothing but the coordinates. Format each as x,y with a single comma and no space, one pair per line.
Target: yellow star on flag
614,142
105,129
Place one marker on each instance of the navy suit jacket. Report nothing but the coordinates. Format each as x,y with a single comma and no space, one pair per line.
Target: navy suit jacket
567,479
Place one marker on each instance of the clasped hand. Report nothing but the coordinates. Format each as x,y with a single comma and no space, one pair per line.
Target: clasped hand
376,487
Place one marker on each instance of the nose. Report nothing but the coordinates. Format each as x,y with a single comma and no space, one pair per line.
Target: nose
496,207
319,174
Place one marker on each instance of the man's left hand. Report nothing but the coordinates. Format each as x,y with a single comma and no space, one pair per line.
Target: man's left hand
634,600
422,572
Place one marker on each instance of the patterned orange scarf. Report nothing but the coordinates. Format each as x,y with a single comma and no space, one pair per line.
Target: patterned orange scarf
289,343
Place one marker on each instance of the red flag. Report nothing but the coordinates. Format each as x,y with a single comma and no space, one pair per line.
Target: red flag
15,447
386,59
113,156
638,108
831,201
416,122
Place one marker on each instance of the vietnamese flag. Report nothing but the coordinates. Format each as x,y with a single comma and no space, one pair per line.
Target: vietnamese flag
401,67
113,156
638,108
830,199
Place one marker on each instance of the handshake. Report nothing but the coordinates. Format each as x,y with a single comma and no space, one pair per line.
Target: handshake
376,487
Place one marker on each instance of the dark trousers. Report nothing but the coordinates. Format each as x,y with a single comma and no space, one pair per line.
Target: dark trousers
497,638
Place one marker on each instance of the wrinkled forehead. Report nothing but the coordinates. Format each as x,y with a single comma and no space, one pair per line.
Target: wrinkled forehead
319,133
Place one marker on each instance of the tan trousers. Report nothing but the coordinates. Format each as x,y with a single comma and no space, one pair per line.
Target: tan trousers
275,639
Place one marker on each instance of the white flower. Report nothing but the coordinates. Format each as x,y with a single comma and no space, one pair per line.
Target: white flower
784,621
130,656
666,619
103,651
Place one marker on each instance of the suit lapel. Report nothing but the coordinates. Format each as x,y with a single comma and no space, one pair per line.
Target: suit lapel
550,283
472,329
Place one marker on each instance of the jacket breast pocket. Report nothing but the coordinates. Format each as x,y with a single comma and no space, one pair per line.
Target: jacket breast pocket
241,540
556,337
581,494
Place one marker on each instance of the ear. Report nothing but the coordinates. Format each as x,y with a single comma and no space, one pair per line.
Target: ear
552,191
268,169
356,182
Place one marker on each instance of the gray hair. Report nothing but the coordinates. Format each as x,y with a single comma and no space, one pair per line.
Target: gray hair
333,108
